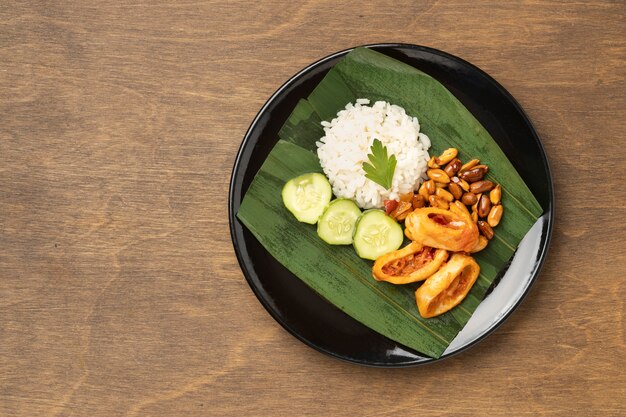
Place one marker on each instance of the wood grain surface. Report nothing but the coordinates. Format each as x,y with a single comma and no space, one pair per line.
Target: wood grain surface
119,290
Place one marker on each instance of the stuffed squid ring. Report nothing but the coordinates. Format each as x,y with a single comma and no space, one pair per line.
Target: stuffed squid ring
447,287
451,230
414,262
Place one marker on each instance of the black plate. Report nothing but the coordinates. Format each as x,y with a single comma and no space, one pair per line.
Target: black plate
299,309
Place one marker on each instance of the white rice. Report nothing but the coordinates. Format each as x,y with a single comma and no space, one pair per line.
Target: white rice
347,142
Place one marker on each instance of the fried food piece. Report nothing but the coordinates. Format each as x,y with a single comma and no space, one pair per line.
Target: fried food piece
412,263
451,230
447,287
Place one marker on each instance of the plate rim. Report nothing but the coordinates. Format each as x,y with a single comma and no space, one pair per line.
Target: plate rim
549,213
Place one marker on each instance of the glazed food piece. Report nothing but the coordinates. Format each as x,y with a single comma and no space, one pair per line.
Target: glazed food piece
443,229
448,286
412,263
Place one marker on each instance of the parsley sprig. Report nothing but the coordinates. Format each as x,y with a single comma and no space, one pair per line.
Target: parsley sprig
380,167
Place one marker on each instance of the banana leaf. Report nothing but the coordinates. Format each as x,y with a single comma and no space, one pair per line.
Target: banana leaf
336,272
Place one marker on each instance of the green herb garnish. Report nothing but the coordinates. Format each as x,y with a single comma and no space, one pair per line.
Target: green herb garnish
381,167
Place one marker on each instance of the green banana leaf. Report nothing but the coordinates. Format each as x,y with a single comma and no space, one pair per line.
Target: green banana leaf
336,272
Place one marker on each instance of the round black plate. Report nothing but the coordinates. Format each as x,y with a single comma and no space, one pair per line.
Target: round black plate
318,323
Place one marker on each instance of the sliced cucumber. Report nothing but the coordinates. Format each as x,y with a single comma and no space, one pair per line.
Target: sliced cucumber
336,225
376,234
307,196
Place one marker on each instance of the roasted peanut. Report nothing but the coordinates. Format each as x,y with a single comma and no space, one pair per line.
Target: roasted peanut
447,156
460,207
439,185
475,207
474,216
438,202
403,215
485,229
441,193
452,167
432,162
484,206
484,167
438,175
403,210
482,244
471,164
473,175
406,197
495,215
496,195
423,191
456,190
469,199
430,187
481,186
464,184
417,201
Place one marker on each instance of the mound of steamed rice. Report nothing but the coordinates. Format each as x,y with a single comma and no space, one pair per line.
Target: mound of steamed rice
347,142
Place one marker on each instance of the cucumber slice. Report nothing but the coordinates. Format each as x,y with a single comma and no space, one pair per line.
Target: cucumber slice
307,196
336,225
376,234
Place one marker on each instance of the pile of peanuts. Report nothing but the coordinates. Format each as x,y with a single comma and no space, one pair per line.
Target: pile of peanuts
451,180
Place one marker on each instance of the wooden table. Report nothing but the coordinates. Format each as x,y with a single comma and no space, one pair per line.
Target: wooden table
119,289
